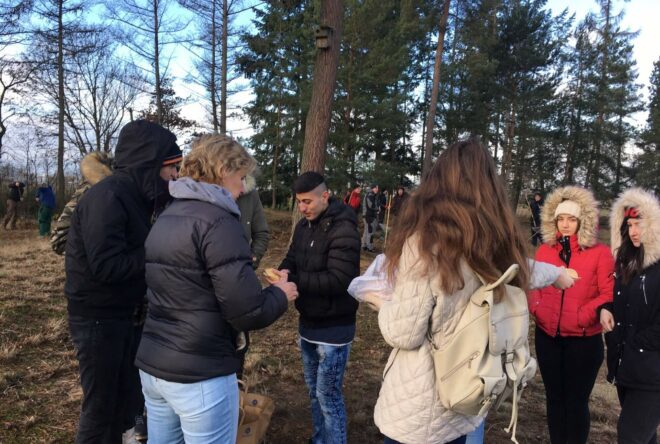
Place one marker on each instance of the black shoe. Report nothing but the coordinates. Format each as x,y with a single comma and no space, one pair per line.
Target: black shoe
140,428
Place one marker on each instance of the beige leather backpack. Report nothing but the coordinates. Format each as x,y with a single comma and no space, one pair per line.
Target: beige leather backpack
487,359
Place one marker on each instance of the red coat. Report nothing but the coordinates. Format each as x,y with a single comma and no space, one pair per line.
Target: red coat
354,200
577,315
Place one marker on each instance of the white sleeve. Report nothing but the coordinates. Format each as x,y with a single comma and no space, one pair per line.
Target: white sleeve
542,274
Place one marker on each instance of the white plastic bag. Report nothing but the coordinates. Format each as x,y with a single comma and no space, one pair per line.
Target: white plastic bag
374,280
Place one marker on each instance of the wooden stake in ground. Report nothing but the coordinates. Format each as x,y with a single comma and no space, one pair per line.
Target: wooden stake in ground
387,219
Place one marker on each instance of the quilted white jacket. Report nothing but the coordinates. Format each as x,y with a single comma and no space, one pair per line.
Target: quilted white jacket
407,409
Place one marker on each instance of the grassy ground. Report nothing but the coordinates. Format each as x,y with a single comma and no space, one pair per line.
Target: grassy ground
40,394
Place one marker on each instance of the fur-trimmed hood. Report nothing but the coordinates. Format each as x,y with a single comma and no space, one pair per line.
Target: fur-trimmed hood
250,184
587,235
648,206
95,167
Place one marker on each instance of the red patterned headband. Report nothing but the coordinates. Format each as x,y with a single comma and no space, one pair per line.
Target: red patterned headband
631,213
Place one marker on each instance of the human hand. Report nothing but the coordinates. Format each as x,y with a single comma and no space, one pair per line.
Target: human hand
289,288
606,320
373,301
564,280
273,275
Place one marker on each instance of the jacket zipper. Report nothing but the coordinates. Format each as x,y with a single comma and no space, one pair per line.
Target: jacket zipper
644,289
458,366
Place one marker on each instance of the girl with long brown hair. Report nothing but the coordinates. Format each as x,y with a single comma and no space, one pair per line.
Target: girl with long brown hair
458,223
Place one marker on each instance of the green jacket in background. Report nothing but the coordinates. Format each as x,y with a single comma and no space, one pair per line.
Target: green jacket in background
254,221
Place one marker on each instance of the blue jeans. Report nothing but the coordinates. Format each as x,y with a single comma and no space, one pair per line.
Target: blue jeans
196,413
477,435
324,367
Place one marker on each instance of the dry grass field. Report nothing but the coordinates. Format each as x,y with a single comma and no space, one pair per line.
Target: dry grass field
40,395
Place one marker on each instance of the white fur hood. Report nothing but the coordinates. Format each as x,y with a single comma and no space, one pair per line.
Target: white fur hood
648,206
587,234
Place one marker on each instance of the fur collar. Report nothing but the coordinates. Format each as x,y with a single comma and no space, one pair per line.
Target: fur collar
250,184
587,235
649,207
95,166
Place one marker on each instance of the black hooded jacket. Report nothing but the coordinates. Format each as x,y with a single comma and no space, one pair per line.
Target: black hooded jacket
105,247
323,259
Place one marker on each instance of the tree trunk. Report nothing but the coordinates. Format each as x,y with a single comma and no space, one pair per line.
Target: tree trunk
159,102
619,155
212,89
60,101
223,68
430,117
323,86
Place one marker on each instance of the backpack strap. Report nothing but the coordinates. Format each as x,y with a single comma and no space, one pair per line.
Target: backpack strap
506,277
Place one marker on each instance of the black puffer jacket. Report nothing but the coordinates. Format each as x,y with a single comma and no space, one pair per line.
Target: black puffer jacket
105,244
202,288
324,257
633,348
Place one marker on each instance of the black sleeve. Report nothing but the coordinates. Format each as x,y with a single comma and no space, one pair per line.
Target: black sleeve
103,223
342,267
244,304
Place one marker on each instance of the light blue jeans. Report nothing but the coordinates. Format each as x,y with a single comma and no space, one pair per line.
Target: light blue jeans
324,367
477,435
203,412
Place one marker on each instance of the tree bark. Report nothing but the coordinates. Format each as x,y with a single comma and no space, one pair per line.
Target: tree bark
430,117
323,86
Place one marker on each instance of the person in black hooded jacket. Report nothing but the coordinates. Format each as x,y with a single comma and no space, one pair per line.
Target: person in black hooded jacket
105,278
323,259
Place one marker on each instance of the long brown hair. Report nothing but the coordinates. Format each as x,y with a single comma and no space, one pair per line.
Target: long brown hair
461,212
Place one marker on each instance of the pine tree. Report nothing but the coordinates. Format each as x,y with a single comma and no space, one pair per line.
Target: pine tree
646,165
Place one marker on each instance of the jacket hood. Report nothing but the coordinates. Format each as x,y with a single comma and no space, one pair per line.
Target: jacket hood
95,167
648,206
140,151
336,212
186,188
587,235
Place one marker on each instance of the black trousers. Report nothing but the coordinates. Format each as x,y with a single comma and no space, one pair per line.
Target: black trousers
569,366
640,416
112,394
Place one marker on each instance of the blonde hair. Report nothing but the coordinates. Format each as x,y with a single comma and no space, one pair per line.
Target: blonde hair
213,157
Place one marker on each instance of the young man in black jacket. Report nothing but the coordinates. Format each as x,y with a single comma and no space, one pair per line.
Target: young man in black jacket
323,258
105,277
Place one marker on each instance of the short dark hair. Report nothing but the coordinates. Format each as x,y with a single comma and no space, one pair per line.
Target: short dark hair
308,181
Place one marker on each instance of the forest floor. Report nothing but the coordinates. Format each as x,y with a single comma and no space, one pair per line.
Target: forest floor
40,394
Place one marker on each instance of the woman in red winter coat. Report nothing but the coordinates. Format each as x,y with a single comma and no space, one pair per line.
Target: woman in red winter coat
568,340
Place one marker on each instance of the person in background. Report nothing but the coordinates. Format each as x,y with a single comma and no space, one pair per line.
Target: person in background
370,217
569,346
15,197
382,198
354,198
398,200
94,167
632,320
257,233
46,199
254,221
536,207
202,290
105,278
323,259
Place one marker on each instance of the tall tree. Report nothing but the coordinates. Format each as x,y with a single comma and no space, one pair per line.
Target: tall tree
317,126
151,30
59,39
646,165
430,117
